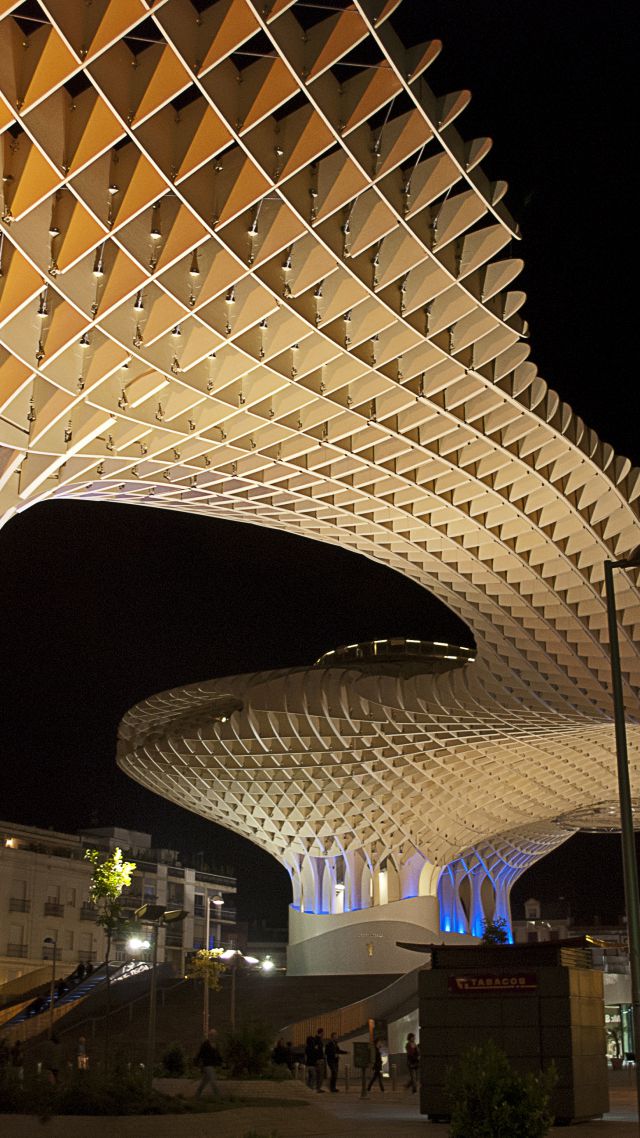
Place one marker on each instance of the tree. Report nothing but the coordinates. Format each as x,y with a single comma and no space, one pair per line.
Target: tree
207,966
108,880
495,932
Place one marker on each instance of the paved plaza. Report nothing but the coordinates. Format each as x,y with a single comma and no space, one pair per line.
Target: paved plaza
392,1115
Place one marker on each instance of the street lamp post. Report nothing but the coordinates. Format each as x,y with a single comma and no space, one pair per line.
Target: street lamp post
157,917
51,941
629,862
218,901
234,956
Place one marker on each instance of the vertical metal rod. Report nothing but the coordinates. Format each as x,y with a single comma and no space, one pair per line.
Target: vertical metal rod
52,987
629,863
151,1038
205,994
232,1015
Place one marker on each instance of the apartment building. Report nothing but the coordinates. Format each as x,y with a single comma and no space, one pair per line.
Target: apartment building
45,904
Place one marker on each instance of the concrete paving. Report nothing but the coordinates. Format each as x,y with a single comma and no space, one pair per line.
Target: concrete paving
393,1114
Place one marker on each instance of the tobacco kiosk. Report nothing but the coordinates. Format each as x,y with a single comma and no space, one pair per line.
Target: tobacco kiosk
539,1003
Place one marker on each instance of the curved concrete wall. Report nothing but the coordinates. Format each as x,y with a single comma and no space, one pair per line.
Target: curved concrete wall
364,940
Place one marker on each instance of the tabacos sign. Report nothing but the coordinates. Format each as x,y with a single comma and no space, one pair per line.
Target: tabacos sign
493,984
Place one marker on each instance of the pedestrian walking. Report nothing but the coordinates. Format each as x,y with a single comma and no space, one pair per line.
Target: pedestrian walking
51,1053
17,1059
319,1060
377,1068
332,1052
208,1058
82,1058
412,1052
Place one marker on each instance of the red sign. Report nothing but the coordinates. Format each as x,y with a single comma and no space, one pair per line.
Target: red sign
493,984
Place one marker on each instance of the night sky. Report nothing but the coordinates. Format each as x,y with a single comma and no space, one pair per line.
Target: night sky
102,605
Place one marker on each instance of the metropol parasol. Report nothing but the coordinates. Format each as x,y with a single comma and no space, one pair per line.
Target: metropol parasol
251,269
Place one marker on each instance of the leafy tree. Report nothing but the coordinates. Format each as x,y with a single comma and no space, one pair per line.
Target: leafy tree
495,932
108,880
208,966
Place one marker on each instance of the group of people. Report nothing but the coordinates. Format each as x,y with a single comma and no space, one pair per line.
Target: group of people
320,1057
283,1055
12,1057
51,1057
61,988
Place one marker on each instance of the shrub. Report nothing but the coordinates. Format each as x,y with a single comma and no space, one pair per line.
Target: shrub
491,1100
247,1052
87,1094
280,1073
174,1061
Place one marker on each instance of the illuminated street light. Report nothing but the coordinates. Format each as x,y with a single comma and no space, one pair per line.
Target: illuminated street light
267,965
218,901
138,944
156,916
629,862
234,956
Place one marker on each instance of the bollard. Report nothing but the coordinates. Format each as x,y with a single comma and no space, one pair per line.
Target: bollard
394,1076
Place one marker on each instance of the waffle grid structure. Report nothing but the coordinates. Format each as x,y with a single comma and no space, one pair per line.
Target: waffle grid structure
250,269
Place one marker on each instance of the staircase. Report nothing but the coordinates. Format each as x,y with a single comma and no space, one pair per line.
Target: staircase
25,1024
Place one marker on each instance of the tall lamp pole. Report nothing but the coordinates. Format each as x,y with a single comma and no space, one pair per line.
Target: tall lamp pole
156,916
629,862
218,901
51,942
234,956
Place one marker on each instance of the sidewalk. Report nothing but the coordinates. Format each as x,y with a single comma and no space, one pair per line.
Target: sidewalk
393,1114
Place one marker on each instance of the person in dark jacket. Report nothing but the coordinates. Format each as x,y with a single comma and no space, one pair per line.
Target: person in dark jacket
208,1058
279,1053
310,1061
377,1068
320,1061
413,1061
332,1052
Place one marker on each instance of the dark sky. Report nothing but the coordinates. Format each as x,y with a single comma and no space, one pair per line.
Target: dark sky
101,605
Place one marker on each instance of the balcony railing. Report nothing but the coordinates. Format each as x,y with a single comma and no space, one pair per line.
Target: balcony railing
48,951
88,913
19,905
53,909
17,949
87,956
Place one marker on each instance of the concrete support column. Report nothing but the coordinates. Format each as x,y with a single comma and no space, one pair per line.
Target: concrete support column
477,915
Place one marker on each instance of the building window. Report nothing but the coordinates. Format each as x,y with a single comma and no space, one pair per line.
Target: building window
198,905
71,897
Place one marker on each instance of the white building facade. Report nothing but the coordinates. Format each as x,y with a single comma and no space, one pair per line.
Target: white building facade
44,899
